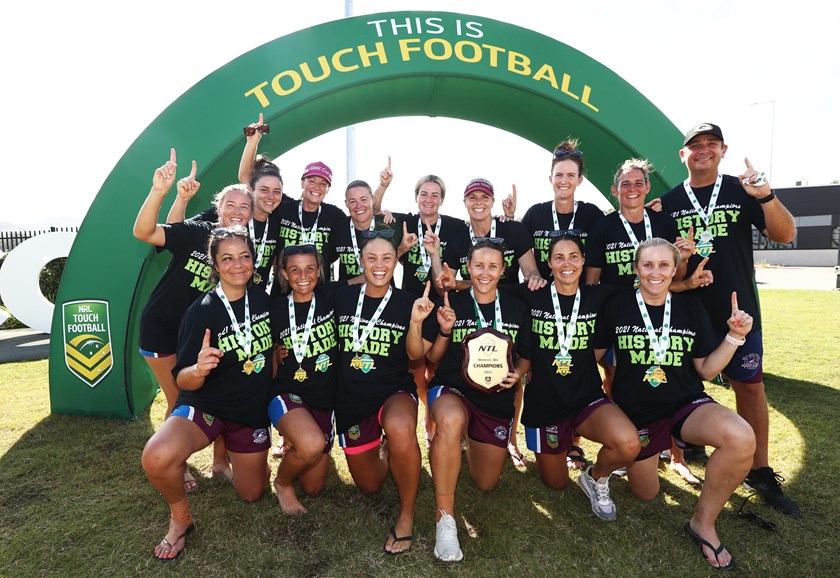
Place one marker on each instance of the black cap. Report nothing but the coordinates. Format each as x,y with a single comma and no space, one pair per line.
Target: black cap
703,128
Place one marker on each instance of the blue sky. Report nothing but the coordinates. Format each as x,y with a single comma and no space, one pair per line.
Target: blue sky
95,84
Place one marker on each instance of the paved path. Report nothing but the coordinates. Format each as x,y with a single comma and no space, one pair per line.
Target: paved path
29,345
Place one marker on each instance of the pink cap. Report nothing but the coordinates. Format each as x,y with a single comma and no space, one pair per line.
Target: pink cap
480,185
318,169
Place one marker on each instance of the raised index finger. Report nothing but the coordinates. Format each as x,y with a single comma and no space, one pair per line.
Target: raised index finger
514,192
172,156
446,298
192,172
748,163
205,343
389,163
426,290
690,236
734,303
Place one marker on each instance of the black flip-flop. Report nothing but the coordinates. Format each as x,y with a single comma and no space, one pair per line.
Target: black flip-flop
716,551
578,462
189,529
397,539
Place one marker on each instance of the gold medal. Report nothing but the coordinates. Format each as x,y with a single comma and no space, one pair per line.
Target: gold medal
655,375
248,367
257,278
563,363
300,374
356,362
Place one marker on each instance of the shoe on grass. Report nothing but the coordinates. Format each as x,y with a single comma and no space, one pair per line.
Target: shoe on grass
447,548
768,484
598,492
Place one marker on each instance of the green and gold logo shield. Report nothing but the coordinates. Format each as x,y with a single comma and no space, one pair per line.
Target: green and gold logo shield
87,340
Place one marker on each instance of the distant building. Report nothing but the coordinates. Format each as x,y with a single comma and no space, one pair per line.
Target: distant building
816,211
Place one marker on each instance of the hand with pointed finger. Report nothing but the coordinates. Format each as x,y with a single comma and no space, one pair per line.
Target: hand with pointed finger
739,322
257,134
188,186
509,204
208,357
422,306
165,175
408,241
686,245
386,176
446,280
754,182
701,277
446,315
431,243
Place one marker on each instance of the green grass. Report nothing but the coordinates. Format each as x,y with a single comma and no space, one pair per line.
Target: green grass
75,502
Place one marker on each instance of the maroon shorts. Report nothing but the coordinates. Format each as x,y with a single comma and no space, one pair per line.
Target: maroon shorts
556,438
481,427
656,437
286,402
238,438
366,434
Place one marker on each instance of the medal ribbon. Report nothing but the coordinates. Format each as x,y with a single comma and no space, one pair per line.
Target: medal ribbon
261,247
557,222
357,342
497,313
631,234
659,345
565,337
307,238
705,215
300,341
355,241
244,339
427,261
492,230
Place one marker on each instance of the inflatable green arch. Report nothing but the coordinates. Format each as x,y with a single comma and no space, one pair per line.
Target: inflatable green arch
310,82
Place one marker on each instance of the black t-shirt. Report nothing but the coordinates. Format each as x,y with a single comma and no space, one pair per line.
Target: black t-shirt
321,356
186,278
620,325
515,322
731,259
539,222
551,397
348,264
608,246
517,243
263,267
384,371
454,243
331,220
228,393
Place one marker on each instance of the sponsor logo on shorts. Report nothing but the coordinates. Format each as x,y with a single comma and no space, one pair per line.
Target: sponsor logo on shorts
295,398
751,361
353,433
551,429
501,432
551,439
644,440
260,436
208,419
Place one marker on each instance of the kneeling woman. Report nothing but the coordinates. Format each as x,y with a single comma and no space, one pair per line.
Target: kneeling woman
377,336
224,383
665,347
304,388
565,394
457,409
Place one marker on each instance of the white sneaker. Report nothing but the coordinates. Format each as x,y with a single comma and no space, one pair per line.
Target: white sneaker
598,492
447,548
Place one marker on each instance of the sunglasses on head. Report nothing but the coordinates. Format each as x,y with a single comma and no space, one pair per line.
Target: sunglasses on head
560,153
494,240
576,233
379,233
298,249
252,130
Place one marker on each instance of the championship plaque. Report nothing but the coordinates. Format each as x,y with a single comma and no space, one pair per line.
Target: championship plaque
488,358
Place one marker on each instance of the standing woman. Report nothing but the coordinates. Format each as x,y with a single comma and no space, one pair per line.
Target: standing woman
224,379
378,334
303,402
460,412
665,347
563,212
565,394
186,277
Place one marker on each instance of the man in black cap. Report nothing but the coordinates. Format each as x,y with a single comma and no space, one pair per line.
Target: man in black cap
723,209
